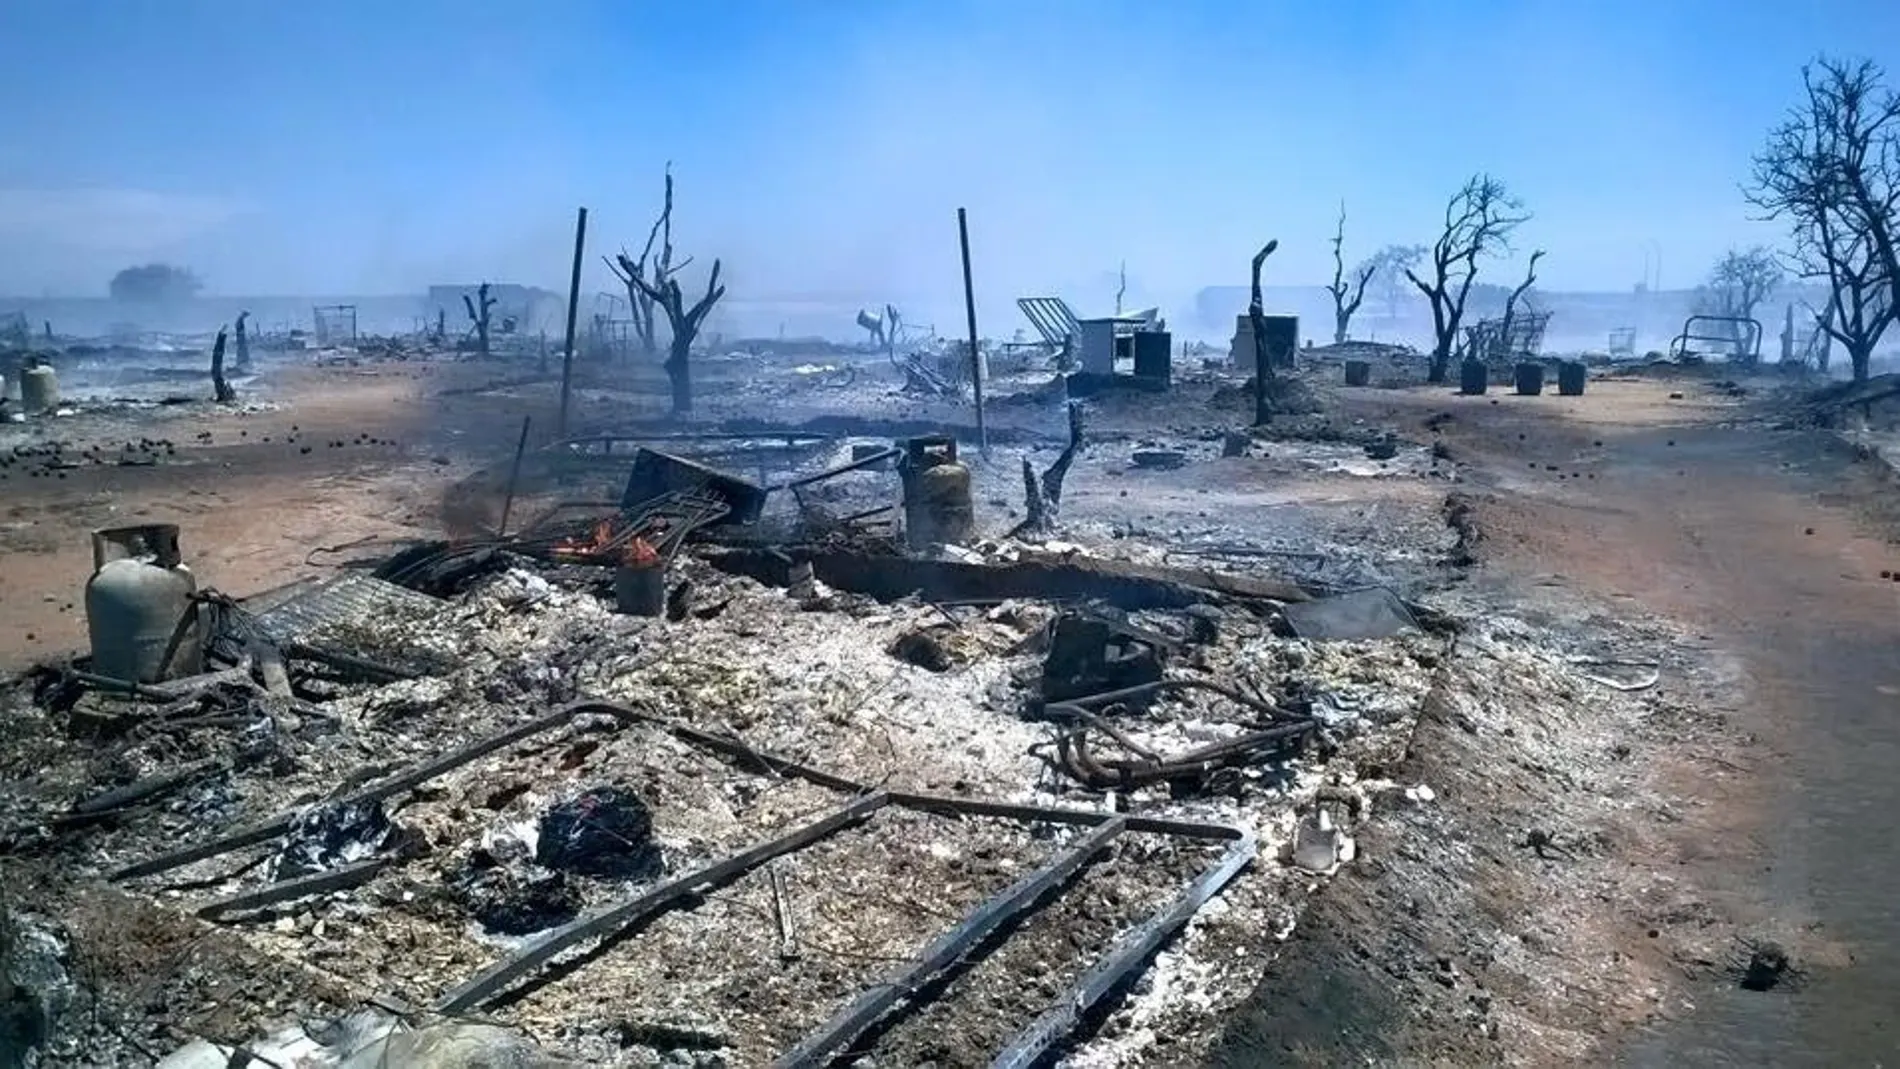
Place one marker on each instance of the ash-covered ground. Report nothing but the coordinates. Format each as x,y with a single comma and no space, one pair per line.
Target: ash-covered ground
1475,765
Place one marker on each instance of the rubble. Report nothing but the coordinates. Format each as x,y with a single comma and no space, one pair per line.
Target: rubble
1019,787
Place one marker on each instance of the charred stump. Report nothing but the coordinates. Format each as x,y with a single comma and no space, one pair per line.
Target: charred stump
223,391
1043,497
1266,384
684,323
243,344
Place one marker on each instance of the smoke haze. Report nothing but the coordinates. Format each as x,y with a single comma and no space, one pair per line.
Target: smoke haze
821,150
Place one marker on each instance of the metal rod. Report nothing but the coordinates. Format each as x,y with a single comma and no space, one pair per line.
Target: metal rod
486,984
863,462
1129,951
354,875
573,306
944,951
514,473
969,307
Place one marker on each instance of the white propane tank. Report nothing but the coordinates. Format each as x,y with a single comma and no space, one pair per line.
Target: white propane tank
39,389
140,618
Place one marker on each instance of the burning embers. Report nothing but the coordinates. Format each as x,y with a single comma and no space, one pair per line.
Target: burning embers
610,544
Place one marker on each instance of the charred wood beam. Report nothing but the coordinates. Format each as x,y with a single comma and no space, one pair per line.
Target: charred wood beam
149,787
944,951
338,879
171,690
349,664
271,671
1124,584
486,984
1129,952
1033,814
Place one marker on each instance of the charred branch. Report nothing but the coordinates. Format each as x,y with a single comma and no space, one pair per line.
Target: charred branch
643,276
1511,302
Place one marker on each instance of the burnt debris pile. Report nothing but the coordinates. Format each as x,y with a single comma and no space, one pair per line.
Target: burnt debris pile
801,749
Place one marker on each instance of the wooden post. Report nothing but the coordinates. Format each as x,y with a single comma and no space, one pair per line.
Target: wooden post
969,307
514,476
573,306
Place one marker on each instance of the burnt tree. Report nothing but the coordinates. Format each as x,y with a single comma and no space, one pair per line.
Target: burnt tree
1479,220
1348,293
663,290
636,275
479,315
222,389
1267,388
1832,171
1510,302
1737,285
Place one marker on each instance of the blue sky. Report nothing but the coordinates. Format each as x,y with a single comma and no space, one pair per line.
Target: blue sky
823,147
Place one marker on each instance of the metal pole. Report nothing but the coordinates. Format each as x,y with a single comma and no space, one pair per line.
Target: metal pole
969,306
514,476
573,306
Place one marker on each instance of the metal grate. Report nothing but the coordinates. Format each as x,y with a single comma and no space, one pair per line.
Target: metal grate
350,599
1051,317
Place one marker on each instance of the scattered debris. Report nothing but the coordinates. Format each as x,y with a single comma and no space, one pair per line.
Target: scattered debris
1361,614
603,831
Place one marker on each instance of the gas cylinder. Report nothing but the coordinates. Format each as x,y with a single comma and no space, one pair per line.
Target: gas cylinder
140,618
938,508
39,389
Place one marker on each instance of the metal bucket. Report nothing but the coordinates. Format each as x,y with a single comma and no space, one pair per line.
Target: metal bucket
640,590
1473,377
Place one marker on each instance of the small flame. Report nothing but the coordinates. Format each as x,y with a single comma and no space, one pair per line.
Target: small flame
638,554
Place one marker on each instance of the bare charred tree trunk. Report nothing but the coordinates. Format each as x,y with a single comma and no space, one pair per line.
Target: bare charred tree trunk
1510,302
1266,384
1347,296
684,323
663,290
1042,498
1478,222
223,391
243,344
479,318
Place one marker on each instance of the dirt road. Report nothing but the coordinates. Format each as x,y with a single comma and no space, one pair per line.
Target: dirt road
1771,546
